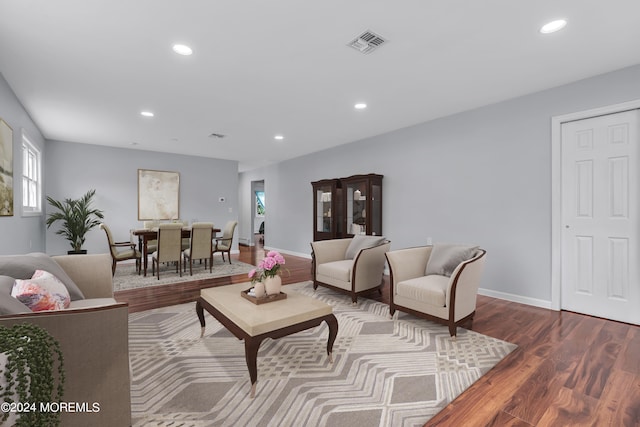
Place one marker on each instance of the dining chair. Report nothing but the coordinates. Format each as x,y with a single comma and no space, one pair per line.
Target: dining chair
185,240
152,245
121,254
169,247
223,244
200,245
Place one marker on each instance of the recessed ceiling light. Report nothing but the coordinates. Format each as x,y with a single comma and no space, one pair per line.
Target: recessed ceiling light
553,26
278,137
360,106
182,49
146,113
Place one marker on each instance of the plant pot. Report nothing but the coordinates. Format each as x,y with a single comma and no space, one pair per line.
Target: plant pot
80,252
273,285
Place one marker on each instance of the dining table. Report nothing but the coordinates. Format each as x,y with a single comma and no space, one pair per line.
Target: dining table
147,234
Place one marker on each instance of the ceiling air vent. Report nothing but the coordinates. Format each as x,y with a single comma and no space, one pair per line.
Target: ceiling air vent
217,135
367,42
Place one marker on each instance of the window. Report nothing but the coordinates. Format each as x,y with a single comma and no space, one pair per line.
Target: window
31,178
260,203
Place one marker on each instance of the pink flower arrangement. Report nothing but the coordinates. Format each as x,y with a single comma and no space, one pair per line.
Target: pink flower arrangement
270,266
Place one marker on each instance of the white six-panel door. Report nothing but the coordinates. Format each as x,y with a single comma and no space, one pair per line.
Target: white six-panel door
600,238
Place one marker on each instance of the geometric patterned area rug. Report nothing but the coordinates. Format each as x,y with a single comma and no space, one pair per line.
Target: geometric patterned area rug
127,278
385,372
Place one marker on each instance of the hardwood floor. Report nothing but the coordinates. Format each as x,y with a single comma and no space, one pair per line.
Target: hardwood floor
160,296
568,370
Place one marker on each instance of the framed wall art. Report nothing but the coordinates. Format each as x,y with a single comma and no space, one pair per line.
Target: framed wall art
158,195
6,169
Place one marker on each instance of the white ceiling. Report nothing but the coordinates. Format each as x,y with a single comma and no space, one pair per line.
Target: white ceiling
84,69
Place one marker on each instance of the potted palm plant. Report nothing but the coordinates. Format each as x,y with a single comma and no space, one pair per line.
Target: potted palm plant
77,217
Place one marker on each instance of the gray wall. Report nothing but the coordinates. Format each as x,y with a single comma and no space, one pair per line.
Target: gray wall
69,170
72,169
482,177
18,233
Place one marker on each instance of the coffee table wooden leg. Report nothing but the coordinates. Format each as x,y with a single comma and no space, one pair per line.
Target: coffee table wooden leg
251,347
332,322
200,313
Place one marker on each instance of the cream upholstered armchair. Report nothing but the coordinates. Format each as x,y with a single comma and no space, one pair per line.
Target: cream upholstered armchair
352,265
439,282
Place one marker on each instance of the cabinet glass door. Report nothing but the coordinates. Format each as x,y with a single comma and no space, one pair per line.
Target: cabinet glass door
363,209
327,212
376,210
323,209
357,208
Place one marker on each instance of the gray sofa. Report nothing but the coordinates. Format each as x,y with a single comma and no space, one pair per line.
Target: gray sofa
93,332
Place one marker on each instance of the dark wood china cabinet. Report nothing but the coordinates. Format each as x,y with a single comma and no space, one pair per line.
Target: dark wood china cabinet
344,207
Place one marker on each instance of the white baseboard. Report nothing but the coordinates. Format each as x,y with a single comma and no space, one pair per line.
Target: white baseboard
515,298
282,251
233,252
247,242
486,292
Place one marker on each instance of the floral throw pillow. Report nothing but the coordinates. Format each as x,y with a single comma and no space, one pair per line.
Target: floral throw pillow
43,291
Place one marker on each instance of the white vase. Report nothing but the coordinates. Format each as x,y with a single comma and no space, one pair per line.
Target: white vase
273,285
258,290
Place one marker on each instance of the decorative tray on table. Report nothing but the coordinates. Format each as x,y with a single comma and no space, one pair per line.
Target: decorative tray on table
264,299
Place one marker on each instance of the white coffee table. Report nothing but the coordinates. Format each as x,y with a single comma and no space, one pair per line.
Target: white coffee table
253,323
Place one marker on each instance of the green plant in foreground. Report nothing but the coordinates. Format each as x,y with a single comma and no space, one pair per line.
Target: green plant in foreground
29,373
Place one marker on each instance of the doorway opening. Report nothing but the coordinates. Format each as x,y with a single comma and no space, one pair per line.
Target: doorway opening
258,212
